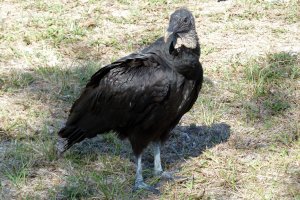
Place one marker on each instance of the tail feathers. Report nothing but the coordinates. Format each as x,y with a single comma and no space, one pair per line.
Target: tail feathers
68,136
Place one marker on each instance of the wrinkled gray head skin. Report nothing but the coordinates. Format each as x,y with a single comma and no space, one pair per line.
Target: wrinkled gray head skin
181,30
181,21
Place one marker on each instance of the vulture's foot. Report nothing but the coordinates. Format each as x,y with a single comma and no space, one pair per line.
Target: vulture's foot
141,185
157,172
164,175
167,176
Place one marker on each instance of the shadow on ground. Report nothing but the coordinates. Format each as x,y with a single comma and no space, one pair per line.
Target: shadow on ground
184,142
191,141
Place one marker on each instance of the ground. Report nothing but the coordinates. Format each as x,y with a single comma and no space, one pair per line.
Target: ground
239,141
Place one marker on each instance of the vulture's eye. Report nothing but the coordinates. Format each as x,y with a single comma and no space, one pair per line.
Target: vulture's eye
185,20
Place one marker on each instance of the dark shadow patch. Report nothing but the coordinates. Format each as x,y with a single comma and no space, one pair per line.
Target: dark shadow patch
184,142
191,141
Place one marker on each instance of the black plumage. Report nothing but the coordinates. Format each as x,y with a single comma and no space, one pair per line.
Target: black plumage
143,95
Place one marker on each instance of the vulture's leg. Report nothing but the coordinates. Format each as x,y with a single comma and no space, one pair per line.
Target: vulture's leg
139,181
157,162
158,171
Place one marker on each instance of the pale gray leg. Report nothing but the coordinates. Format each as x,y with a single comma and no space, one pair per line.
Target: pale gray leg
139,181
139,170
158,171
157,162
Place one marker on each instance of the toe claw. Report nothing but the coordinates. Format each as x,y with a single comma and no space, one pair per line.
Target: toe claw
167,176
157,172
143,186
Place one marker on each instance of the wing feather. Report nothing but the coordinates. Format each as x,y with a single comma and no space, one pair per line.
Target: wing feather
121,94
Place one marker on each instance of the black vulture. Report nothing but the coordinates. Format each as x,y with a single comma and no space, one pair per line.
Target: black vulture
141,96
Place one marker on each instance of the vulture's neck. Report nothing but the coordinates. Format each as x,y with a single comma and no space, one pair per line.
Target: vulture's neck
189,40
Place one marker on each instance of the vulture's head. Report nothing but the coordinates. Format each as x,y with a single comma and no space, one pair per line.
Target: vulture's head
181,30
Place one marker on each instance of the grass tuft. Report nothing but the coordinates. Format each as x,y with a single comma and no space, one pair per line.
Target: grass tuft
19,160
16,80
271,71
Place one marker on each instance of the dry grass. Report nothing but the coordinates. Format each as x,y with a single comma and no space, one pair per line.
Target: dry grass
250,54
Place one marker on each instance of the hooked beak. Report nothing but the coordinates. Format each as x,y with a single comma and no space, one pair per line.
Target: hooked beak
167,35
